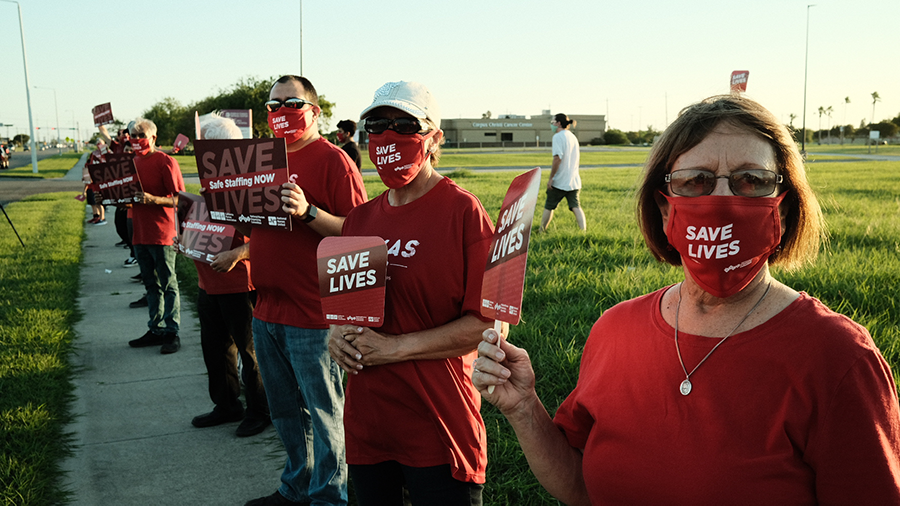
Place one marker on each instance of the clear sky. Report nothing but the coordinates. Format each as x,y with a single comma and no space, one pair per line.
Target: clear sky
639,62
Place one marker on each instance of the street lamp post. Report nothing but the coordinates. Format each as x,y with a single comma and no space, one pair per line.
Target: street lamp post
34,165
56,106
805,73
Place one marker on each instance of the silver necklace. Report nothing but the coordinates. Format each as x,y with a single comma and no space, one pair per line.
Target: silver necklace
686,386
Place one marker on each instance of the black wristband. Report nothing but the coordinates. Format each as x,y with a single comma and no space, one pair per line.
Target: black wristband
310,214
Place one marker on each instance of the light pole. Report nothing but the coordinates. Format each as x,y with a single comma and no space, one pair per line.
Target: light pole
77,136
301,38
34,167
56,106
805,73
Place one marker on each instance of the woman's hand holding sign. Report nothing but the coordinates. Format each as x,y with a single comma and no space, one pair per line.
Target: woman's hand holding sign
508,370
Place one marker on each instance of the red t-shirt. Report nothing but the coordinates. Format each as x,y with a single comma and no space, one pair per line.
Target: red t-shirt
237,280
160,176
799,410
284,263
423,413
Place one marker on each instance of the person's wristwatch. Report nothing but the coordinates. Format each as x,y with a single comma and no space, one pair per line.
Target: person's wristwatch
310,214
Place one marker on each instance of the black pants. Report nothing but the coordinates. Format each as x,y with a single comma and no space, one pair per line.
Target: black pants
226,330
383,485
129,225
122,225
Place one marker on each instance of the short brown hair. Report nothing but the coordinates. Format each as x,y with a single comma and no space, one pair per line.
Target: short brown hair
804,225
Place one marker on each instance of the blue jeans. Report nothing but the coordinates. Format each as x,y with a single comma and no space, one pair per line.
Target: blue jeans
157,265
306,402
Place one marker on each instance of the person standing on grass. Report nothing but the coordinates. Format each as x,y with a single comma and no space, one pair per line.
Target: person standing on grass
565,180
346,130
225,301
412,416
303,385
153,216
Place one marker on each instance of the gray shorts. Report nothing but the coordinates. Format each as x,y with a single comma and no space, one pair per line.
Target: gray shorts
555,195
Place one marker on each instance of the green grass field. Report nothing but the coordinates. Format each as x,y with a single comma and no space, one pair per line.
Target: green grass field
48,168
572,278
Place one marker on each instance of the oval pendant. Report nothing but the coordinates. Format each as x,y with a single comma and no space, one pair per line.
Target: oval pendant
685,387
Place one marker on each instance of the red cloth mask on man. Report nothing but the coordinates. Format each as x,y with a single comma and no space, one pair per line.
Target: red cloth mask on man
398,157
341,137
140,146
289,124
723,240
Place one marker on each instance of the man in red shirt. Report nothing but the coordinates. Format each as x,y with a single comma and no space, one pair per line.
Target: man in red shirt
303,384
154,233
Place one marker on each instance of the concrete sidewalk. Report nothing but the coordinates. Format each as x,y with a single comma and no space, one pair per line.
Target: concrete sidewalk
134,442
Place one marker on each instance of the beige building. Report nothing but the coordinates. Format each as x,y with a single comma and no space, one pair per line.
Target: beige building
516,131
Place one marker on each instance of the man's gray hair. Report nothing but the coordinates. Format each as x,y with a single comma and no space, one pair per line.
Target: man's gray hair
213,126
142,125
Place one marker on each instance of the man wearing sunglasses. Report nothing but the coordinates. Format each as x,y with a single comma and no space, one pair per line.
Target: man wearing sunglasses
153,217
303,384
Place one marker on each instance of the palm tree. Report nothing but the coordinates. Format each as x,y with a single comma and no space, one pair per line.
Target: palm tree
846,101
875,98
793,117
821,112
828,111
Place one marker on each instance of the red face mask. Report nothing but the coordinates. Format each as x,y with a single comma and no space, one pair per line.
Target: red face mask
398,157
341,137
140,146
724,240
289,124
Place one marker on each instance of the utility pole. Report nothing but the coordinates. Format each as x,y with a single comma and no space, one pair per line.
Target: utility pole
805,74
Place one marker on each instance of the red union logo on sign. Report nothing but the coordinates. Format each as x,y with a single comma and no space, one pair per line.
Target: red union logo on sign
739,80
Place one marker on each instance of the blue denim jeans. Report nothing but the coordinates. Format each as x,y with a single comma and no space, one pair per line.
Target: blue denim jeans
306,402
157,265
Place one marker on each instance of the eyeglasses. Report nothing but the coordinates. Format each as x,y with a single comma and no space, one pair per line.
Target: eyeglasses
746,183
407,126
294,103
140,135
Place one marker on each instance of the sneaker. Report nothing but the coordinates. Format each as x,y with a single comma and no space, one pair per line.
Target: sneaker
275,499
136,278
142,302
218,417
252,425
172,344
131,262
93,220
101,222
148,339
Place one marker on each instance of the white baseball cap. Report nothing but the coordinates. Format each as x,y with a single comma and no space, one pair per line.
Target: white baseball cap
409,97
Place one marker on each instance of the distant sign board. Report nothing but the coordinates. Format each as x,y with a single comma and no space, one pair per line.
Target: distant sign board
243,118
739,81
102,114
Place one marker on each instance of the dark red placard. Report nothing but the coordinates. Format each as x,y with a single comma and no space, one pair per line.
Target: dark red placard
199,238
181,141
504,275
102,114
117,180
352,273
242,179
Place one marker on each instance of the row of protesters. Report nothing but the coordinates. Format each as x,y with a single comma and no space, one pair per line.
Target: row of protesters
730,386
225,300
154,222
412,415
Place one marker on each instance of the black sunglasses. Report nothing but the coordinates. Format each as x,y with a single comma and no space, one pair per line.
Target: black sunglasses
294,103
406,126
746,183
140,135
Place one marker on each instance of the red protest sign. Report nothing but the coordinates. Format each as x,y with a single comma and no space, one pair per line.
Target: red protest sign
242,180
199,238
102,114
117,180
739,81
181,141
352,272
504,275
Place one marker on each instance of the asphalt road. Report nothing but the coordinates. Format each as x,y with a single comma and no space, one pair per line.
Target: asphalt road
17,188
20,158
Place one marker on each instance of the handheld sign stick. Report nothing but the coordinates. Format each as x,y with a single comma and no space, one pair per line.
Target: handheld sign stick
504,274
352,273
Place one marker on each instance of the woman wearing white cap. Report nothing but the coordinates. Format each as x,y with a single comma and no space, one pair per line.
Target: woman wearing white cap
412,414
